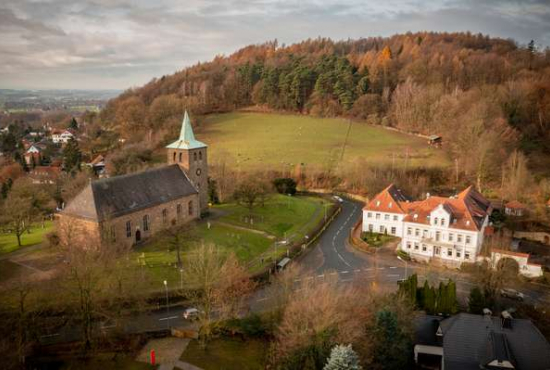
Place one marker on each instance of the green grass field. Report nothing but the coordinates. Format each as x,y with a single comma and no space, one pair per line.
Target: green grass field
227,354
8,242
283,141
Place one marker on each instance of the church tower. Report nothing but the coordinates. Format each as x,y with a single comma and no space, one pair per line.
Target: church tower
190,155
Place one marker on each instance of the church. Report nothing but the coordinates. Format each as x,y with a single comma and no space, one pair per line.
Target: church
124,210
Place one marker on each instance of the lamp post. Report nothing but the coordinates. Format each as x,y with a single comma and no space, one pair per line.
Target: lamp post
181,278
406,266
167,306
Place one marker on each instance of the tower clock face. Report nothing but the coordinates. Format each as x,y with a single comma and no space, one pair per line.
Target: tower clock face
198,171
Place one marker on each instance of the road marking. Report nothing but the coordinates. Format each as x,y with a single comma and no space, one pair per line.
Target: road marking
344,272
50,335
168,318
393,267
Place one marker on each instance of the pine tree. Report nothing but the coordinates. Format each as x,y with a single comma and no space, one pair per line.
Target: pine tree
392,345
73,125
476,301
343,358
72,156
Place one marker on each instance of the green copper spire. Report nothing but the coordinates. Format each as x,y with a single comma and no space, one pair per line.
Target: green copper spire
187,137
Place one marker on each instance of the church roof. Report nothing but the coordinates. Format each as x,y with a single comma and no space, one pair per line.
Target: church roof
187,138
120,195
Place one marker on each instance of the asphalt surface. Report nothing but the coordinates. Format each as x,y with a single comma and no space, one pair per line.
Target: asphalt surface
330,257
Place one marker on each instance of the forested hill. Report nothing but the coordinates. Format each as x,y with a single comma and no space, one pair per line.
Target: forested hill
485,95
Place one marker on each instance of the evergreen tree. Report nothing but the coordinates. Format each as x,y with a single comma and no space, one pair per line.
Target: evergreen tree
392,345
73,125
72,156
343,358
429,299
451,298
476,301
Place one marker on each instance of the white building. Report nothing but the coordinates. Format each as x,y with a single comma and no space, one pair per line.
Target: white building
449,230
62,137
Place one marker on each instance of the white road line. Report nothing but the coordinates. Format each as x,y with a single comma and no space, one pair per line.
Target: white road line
344,272
168,318
393,267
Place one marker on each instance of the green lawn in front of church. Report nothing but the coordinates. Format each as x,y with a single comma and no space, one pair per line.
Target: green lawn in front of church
36,235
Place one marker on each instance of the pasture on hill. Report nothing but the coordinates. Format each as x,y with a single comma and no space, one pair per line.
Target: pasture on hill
282,141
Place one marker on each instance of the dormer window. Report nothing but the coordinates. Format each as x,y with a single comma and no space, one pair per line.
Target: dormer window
377,203
415,216
389,205
435,220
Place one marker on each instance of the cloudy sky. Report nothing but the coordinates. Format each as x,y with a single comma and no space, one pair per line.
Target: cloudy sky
116,44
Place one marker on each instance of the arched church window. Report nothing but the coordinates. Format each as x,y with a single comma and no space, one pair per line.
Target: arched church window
190,208
174,156
181,157
200,156
195,157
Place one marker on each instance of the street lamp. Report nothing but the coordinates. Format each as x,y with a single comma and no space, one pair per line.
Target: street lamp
181,278
406,266
167,306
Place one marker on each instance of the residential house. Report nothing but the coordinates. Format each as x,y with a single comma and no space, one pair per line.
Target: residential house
515,208
449,230
34,154
62,136
472,342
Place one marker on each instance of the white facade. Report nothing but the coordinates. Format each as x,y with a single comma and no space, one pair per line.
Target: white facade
437,236
63,137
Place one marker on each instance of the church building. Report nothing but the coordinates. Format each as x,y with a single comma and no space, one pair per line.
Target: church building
127,209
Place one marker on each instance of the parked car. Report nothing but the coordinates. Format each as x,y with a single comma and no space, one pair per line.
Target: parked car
191,313
338,198
512,294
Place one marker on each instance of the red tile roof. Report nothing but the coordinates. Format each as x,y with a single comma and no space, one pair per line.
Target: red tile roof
468,209
514,204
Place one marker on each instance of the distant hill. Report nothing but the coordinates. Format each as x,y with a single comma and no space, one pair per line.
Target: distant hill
485,96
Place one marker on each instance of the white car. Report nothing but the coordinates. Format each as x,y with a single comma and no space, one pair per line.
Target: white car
338,199
512,294
190,313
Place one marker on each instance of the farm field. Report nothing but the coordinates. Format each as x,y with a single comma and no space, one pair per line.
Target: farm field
282,141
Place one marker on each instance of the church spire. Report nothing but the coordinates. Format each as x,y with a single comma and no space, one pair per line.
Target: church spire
187,137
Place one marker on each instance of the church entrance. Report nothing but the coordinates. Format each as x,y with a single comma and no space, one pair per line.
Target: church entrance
138,236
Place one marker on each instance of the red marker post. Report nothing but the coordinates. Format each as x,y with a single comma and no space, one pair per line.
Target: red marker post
152,357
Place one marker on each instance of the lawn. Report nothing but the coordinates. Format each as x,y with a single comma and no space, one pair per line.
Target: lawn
283,141
8,242
227,354
376,239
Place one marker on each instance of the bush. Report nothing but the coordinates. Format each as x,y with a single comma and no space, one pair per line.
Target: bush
285,185
53,239
403,255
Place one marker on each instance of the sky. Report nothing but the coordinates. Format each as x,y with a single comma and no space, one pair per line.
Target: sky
119,44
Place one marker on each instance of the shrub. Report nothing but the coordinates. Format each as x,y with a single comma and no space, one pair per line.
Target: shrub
285,185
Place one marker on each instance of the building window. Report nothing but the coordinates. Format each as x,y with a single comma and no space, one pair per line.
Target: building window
425,233
378,216
181,157
386,217
416,232
178,210
146,223
416,246
409,230
459,238
467,239
424,248
369,215
164,215
393,231
450,237
435,221
128,229
437,250
195,156
395,217
200,156
442,222
437,236
190,207
457,254
371,228
408,245
449,252
381,229
466,256
174,157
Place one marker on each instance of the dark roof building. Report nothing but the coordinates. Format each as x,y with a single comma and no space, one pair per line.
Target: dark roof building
117,196
468,342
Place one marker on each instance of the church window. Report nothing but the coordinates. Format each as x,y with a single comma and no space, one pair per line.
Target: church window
190,208
178,210
200,156
174,157
113,234
128,229
181,157
195,157
164,215
146,223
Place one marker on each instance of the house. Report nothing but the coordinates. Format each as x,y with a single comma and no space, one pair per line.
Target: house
127,209
62,136
98,166
515,208
467,342
34,154
447,230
